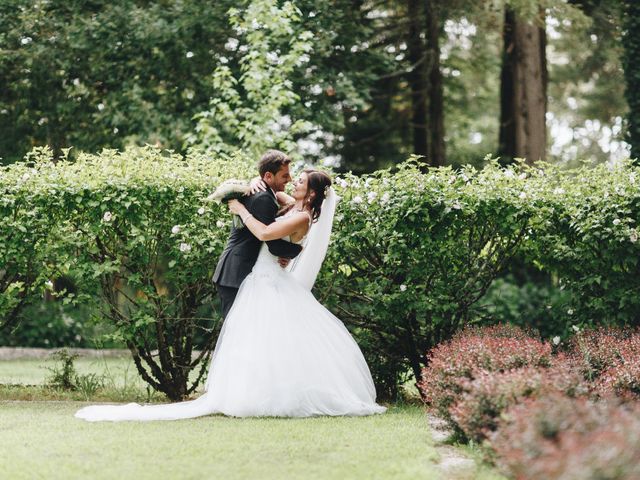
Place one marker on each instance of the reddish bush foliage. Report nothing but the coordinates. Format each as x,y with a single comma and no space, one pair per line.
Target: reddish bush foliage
477,412
555,437
491,349
623,380
611,359
597,350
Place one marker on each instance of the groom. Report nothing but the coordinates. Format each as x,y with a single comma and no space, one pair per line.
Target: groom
241,252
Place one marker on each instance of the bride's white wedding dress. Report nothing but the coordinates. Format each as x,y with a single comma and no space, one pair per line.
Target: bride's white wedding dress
280,353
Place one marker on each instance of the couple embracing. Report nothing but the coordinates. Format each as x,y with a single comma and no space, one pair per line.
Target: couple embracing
280,352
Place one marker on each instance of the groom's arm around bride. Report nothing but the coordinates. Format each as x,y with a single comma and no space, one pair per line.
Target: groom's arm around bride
242,249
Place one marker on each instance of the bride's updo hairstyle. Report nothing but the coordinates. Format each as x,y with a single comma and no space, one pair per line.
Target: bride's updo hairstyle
319,183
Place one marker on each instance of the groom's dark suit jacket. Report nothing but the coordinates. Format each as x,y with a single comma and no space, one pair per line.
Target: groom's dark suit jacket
241,252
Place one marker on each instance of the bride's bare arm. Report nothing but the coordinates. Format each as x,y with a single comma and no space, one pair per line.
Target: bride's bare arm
295,223
284,199
257,185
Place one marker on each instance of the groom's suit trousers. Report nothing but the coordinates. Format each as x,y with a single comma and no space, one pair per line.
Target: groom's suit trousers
227,297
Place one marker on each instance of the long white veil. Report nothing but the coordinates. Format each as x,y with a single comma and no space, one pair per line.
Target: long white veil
306,266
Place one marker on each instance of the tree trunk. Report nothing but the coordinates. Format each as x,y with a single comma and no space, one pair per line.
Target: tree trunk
437,152
417,79
523,91
631,64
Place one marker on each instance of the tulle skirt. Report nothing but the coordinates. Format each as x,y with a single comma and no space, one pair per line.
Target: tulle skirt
280,353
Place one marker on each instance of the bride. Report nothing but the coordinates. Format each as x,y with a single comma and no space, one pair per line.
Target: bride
280,352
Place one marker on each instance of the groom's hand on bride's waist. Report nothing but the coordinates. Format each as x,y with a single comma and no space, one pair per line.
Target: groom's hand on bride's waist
283,262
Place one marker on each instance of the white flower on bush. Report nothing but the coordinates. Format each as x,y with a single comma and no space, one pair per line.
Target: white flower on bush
49,284
185,247
201,211
522,195
371,196
575,328
403,288
457,206
570,312
232,44
107,217
357,199
386,197
220,224
556,340
633,235
509,173
522,176
175,229
558,191
616,221
342,182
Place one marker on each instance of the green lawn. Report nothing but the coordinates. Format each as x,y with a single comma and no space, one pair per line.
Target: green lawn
120,370
42,439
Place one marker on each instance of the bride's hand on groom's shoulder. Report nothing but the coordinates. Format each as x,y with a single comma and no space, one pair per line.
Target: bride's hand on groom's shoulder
235,206
256,185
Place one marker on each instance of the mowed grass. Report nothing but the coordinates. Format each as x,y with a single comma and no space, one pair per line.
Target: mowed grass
44,440
34,371
26,379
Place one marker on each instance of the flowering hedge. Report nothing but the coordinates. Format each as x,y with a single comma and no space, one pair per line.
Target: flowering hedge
136,227
589,239
412,252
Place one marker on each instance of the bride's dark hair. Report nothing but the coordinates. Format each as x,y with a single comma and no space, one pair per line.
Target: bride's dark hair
319,183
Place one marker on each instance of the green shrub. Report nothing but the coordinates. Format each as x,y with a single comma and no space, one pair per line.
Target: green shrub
412,258
589,240
52,324
136,227
414,252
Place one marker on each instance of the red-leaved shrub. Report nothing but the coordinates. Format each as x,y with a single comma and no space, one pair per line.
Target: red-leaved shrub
556,437
596,350
622,380
491,349
610,358
477,412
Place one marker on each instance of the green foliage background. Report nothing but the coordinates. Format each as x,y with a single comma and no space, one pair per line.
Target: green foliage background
413,254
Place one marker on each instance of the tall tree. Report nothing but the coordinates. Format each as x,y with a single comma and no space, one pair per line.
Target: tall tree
631,65
523,90
417,77
437,152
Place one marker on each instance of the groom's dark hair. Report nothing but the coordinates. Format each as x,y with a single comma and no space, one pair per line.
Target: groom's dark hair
272,161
